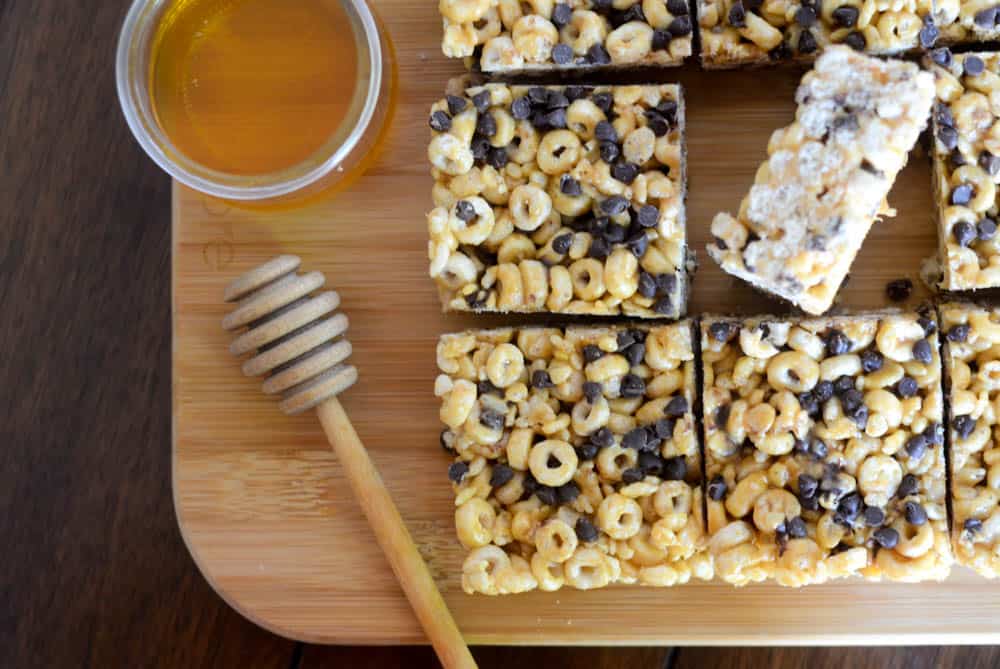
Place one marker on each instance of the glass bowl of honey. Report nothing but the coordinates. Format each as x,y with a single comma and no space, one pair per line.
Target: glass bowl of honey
256,100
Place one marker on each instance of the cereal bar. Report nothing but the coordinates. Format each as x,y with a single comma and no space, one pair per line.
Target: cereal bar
561,199
826,177
966,164
575,456
972,367
512,36
824,449
754,32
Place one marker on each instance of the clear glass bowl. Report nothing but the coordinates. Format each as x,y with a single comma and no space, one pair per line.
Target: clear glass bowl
344,155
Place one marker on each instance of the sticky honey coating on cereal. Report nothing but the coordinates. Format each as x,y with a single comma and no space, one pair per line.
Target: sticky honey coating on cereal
966,166
756,32
972,366
537,35
564,199
826,177
824,449
576,461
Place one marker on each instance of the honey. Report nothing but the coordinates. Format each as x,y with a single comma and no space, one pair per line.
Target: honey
254,87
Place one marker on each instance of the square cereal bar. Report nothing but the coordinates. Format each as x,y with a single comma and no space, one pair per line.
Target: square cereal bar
972,375
575,456
752,32
510,36
826,177
824,449
966,163
566,199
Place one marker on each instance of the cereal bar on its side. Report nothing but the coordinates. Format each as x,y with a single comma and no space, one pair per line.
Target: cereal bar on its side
972,373
575,456
507,36
753,32
966,163
824,449
561,199
826,177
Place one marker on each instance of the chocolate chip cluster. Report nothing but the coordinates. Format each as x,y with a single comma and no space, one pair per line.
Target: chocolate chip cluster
824,449
566,199
509,36
966,159
972,364
575,456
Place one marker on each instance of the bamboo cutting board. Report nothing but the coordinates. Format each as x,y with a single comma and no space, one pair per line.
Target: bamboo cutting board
269,517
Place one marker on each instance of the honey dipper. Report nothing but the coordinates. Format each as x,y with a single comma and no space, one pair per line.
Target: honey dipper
298,340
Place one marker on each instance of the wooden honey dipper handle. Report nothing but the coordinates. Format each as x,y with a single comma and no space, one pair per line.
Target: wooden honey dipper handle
298,340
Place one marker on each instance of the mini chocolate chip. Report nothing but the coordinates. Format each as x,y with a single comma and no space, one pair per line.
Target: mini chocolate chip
599,248
575,92
585,530
480,148
632,475
546,495
464,211
625,172
915,513
717,488
941,56
561,243
632,386
964,233
661,40
520,108
664,428
605,132
592,390
674,469
440,121
650,463
497,158
486,125
908,486
899,290
860,416
972,525
481,101
871,361
615,234
962,194
676,407
540,379
602,438
849,506
929,33
570,186
818,448
808,485
456,104
609,152
843,384
666,283
556,118
648,216
922,352
886,537
592,353
796,527
948,137
486,387
823,391
491,419
856,40
638,244
647,284
934,433
964,426
635,439
986,229
668,109
586,452
567,492
677,7
907,387
562,53
874,516
990,163
721,331
664,306
837,342
916,446
958,333
809,404
457,471
852,399
973,65
722,416
598,55
928,325
805,16
737,15
985,18
500,475
604,101
846,16
561,14
680,26
807,42
635,353
657,123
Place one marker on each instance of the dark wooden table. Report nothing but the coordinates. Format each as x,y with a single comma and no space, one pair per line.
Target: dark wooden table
93,572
